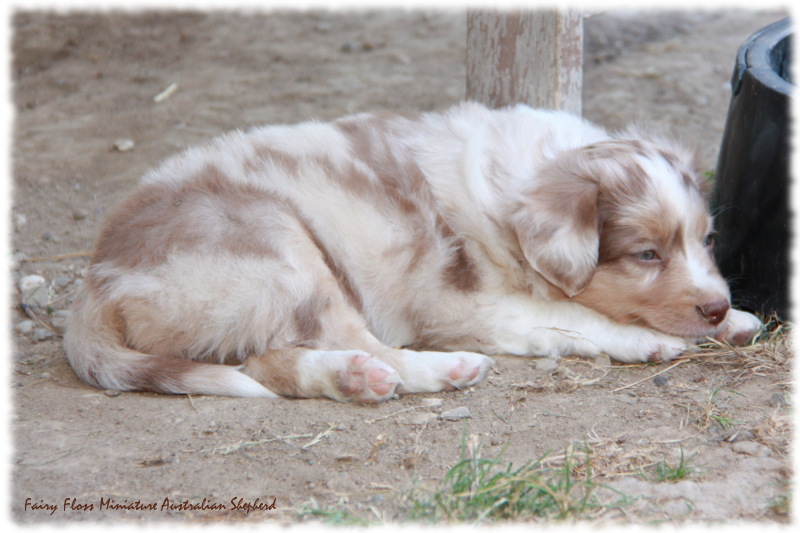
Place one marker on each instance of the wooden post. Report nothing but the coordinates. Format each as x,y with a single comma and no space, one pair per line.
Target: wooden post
531,57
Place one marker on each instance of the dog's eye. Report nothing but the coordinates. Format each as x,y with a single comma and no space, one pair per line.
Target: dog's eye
709,241
649,255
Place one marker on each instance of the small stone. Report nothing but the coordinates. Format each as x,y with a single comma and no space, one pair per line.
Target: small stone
48,236
778,400
124,145
661,380
59,324
749,447
546,365
456,414
38,298
111,393
79,214
602,360
19,220
31,282
432,402
349,47
61,281
18,258
41,334
24,327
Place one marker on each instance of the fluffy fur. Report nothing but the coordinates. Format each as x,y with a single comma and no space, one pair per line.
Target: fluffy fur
324,260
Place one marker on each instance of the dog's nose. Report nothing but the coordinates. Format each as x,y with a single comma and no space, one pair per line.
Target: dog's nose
714,312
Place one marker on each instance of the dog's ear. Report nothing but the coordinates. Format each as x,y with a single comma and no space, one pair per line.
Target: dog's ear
557,225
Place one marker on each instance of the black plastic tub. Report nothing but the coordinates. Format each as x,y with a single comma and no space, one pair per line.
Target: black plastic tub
751,194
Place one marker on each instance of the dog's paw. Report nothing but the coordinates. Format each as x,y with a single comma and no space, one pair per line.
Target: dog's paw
443,371
647,346
469,369
366,379
739,327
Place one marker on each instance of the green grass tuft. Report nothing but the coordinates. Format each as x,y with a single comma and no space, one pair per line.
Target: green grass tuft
487,490
666,472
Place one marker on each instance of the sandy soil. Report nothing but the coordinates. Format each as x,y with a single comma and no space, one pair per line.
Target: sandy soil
85,82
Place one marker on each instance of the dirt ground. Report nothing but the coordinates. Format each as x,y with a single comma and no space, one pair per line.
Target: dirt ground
87,126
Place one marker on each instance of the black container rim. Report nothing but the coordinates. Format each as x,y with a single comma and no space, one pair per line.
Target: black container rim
754,55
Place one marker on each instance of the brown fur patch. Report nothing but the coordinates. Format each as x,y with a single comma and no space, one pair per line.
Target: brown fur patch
163,374
277,370
266,154
398,184
340,274
307,320
461,272
209,211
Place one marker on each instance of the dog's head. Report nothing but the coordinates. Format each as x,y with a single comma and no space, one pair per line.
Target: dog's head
622,227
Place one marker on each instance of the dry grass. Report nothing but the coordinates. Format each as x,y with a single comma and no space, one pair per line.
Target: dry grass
767,355
619,456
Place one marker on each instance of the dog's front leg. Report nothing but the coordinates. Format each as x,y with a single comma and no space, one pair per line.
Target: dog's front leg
522,326
739,327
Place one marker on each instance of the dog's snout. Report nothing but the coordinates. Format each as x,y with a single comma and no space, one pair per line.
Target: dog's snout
714,312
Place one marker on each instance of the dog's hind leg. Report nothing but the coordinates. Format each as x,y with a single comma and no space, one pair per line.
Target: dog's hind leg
344,375
369,373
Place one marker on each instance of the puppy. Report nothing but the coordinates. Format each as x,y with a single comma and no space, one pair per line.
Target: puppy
328,260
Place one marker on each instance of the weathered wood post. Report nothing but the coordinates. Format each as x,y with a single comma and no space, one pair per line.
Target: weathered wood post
531,57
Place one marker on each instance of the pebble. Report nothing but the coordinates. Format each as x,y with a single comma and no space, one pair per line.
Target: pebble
124,145
749,447
778,400
61,281
41,334
546,365
34,291
661,380
18,258
59,322
38,298
79,214
349,46
31,282
111,393
19,220
24,327
456,414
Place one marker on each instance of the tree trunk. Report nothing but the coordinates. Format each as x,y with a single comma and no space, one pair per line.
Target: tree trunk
531,57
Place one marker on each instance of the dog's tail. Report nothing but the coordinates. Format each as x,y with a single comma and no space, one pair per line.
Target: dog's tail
94,344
